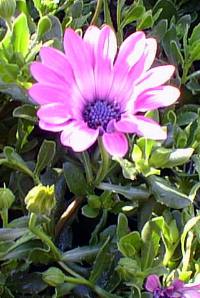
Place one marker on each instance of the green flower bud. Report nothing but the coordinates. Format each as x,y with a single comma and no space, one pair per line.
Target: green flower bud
6,198
53,277
41,199
7,8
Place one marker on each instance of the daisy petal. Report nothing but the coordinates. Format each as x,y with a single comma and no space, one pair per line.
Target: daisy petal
91,38
104,56
44,94
46,75
130,51
54,113
52,127
191,294
150,52
79,136
78,54
152,283
129,56
57,61
155,77
142,126
155,98
115,143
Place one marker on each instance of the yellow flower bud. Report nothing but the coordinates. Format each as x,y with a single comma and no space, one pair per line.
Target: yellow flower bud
6,198
53,277
7,8
41,199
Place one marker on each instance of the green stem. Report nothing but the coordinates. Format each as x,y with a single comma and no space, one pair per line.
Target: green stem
97,12
119,30
9,24
42,236
104,164
4,216
79,280
87,166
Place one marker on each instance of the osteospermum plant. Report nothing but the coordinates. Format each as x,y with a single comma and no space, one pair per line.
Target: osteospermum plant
100,160
95,90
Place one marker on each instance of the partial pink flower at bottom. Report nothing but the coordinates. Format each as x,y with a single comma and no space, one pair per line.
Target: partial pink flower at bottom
95,90
177,289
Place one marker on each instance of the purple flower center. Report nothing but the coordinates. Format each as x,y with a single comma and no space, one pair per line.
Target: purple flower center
160,293
99,113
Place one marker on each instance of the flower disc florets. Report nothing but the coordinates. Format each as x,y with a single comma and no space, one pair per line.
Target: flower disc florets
94,89
100,112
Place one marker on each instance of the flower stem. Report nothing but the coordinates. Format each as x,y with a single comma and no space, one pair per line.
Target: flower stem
42,236
97,12
79,280
105,157
4,216
87,166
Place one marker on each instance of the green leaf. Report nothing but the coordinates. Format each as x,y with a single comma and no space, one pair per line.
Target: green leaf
128,168
189,225
27,112
194,51
77,8
102,262
55,32
21,35
168,9
75,179
160,29
8,72
132,14
179,157
159,157
146,21
122,226
45,156
90,212
176,52
130,244
14,161
167,158
166,194
151,234
129,192
129,269
195,37
43,26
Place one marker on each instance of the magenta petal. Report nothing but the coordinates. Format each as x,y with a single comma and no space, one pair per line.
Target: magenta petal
152,283
57,61
142,126
130,51
79,136
150,52
44,94
155,77
104,56
191,294
78,55
54,113
91,38
155,98
115,143
46,75
51,127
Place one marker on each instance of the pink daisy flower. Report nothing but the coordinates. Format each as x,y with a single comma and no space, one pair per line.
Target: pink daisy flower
177,289
94,90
